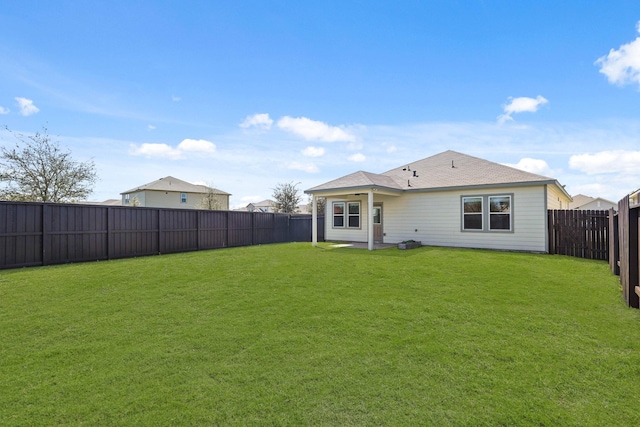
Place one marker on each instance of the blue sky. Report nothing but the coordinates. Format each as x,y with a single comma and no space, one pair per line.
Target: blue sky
248,94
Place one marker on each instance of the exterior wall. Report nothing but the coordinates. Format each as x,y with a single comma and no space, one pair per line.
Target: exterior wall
171,199
346,234
555,199
140,195
435,218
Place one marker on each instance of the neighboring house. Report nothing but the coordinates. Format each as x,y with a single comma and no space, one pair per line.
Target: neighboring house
170,192
263,206
584,203
268,206
449,199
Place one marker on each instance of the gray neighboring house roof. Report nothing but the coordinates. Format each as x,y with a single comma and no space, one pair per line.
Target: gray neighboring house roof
170,183
580,200
445,170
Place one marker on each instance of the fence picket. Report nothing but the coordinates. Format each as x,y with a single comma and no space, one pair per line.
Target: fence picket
33,234
577,233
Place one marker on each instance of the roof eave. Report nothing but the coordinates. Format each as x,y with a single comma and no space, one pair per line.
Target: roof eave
354,189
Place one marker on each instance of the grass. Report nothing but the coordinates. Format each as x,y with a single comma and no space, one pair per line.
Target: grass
295,335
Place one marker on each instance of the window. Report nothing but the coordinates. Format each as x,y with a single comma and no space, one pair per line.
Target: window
487,213
183,197
338,214
346,214
354,214
472,213
126,199
377,215
500,213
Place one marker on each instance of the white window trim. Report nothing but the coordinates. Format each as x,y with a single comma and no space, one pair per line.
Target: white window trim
510,197
346,215
481,213
350,215
343,215
183,199
486,214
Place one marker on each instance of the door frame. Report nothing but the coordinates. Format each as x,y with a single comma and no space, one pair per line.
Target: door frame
378,205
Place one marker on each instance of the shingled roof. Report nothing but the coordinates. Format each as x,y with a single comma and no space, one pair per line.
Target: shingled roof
169,183
449,169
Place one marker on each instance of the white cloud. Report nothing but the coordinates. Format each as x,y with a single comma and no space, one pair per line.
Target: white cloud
392,149
155,150
262,121
151,127
358,157
614,161
197,146
165,151
622,66
305,167
26,106
313,152
536,166
176,98
521,105
314,130
4,110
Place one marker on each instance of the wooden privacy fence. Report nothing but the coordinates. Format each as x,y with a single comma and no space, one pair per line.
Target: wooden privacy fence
33,234
625,260
583,234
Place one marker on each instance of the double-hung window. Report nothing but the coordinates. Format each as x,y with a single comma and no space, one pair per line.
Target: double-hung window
472,213
183,197
500,213
346,214
338,214
487,213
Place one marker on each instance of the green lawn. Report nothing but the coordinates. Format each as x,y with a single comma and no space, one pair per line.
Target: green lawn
289,334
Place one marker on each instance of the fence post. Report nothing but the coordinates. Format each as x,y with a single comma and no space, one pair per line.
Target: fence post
45,239
634,268
108,237
198,229
159,231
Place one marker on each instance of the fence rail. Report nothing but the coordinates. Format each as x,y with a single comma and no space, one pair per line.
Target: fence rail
33,234
583,234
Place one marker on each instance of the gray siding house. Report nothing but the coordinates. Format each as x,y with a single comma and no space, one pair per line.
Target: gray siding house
449,199
170,192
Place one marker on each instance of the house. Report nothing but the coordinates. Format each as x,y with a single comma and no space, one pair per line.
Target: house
170,192
268,206
582,202
449,199
263,206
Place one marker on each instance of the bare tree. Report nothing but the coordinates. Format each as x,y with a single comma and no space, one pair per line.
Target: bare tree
38,170
286,197
211,199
